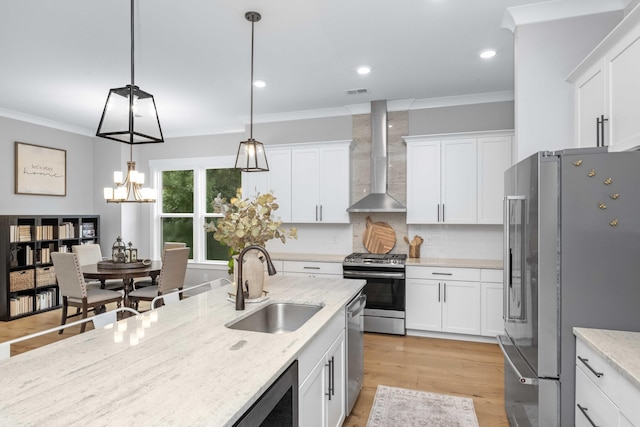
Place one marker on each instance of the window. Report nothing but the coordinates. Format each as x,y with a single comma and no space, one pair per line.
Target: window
187,188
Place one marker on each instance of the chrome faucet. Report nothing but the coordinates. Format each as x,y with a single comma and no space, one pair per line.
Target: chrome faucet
240,288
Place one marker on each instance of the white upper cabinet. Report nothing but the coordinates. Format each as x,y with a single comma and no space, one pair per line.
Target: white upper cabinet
606,86
310,181
276,181
457,179
320,183
494,158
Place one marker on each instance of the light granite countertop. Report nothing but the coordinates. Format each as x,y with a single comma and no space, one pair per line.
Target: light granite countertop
492,264
621,349
495,264
188,369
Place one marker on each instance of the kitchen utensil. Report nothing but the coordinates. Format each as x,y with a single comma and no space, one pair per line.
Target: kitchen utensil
378,237
414,246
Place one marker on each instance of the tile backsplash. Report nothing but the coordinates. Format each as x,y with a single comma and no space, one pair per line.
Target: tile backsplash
459,241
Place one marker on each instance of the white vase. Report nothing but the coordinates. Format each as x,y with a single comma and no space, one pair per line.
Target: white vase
252,272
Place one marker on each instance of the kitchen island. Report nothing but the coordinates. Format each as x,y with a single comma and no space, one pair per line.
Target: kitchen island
187,369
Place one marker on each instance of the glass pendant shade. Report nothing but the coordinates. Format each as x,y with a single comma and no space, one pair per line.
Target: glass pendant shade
251,156
130,116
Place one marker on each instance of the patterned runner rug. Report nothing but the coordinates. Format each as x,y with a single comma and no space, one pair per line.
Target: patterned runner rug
401,407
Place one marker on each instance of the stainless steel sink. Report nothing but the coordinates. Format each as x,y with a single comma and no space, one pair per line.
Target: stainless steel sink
277,318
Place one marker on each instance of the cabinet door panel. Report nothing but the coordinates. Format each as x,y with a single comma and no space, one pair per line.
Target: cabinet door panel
491,309
423,182
591,103
336,406
311,398
459,181
461,308
624,69
334,179
279,181
305,184
423,304
494,157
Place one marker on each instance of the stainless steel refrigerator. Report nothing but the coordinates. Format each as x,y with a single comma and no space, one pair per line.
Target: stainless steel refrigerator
572,258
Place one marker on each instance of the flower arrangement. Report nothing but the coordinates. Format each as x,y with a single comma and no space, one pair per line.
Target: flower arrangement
248,222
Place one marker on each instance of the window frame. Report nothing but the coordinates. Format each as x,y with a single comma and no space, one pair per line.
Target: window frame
199,166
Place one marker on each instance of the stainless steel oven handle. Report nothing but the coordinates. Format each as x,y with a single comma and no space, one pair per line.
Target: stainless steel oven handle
521,379
350,274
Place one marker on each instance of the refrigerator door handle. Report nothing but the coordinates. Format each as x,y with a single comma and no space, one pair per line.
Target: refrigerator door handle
508,260
522,379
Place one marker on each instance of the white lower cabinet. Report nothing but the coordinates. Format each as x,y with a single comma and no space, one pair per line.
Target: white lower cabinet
603,396
322,394
312,269
443,300
491,298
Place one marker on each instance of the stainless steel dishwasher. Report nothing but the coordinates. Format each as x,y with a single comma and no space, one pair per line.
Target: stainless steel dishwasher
355,348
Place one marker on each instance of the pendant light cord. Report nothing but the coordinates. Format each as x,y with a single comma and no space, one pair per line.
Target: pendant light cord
132,46
251,117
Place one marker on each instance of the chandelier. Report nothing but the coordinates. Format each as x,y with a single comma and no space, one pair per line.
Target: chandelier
131,185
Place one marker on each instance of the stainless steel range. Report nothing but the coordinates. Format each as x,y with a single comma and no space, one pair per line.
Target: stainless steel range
385,289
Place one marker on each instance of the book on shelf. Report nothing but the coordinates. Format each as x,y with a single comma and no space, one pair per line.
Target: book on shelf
88,229
44,232
20,304
28,255
66,230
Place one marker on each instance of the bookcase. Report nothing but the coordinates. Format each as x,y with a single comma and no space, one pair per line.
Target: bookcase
27,276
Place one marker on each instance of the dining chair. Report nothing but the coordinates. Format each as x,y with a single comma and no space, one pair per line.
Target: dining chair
171,277
74,291
92,254
99,321
141,282
175,296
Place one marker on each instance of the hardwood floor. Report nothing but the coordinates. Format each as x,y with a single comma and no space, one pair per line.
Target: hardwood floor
441,366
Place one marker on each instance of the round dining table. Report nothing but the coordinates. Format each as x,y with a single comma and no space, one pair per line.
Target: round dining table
96,272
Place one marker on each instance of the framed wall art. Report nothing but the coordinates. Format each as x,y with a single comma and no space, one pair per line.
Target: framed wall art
40,170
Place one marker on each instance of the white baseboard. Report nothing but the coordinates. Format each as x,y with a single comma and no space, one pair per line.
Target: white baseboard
449,336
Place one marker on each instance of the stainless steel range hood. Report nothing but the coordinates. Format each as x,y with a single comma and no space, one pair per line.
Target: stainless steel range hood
378,200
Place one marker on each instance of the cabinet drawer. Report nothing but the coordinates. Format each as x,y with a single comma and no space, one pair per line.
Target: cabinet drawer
443,273
618,388
494,276
312,267
592,405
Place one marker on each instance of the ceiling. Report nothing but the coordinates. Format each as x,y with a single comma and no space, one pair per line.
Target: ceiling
60,58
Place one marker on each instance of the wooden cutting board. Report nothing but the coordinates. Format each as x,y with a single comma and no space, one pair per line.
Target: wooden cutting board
378,237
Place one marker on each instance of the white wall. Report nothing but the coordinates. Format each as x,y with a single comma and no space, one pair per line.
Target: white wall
545,54
80,176
462,118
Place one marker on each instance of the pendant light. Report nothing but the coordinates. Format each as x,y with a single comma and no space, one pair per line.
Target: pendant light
251,155
130,114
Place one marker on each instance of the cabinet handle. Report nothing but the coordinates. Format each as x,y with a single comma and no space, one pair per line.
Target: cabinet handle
443,212
600,131
445,292
311,268
320,213
441,274
316,213
330,391
586,363
438,210
439,284
584,412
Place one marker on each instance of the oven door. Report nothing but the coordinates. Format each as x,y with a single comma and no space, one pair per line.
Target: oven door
385,290
385,310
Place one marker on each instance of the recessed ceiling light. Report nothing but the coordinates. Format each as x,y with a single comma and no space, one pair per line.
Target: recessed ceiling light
363,70
486,54
259,83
